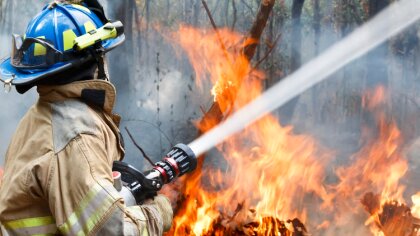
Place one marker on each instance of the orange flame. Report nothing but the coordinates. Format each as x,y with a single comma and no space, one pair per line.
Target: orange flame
267,170
377,167
218,59
271,173
416,205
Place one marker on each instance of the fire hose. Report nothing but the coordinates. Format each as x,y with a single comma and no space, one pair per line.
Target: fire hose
136,186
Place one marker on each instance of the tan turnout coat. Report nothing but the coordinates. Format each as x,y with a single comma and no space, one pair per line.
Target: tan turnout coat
58,178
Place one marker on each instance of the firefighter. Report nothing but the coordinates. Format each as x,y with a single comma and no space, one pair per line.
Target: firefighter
58,168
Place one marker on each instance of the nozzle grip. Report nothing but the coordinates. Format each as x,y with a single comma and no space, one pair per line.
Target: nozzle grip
184,157
142,185
180,160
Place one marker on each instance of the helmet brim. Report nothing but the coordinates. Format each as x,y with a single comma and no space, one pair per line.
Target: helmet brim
25,77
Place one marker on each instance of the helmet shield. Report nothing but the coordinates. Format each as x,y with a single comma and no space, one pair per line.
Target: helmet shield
33,53
37,53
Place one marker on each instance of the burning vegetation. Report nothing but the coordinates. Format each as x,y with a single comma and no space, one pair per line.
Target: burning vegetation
391,217
268,180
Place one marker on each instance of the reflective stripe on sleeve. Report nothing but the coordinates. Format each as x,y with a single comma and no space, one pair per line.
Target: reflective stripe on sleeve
145,232
35,226
89,212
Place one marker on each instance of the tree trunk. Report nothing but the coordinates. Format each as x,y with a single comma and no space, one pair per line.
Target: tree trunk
296,34
121,70
146,35
295,57
345,17
377,66
168,7
269,81
375,6
317,25
215,114
258,26
197,7
235,15
317,41
226,13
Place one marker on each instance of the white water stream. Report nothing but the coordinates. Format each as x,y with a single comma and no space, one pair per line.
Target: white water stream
386,24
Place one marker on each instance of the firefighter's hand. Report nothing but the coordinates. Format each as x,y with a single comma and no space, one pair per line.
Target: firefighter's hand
165,209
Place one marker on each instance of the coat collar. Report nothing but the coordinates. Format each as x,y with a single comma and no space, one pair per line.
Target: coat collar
97,92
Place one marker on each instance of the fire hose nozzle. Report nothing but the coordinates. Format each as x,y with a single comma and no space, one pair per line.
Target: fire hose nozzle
179,160
142,185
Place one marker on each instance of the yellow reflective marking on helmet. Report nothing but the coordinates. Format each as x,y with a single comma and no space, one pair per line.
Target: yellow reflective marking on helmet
40,50
89,26
81,7
68,39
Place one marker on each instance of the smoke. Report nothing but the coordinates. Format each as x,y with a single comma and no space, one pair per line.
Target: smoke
161,114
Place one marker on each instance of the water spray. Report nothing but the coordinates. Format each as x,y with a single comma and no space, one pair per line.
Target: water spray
136,186
386,24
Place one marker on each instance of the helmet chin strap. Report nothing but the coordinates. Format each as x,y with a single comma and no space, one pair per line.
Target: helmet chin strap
102,71
98,53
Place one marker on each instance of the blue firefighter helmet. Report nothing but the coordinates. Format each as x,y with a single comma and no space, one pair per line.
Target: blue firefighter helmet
61,37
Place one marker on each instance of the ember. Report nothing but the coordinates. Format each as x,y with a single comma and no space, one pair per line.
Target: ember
269,226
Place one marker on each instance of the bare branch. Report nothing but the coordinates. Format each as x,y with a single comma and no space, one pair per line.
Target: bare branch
140,149
272,47
215,29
